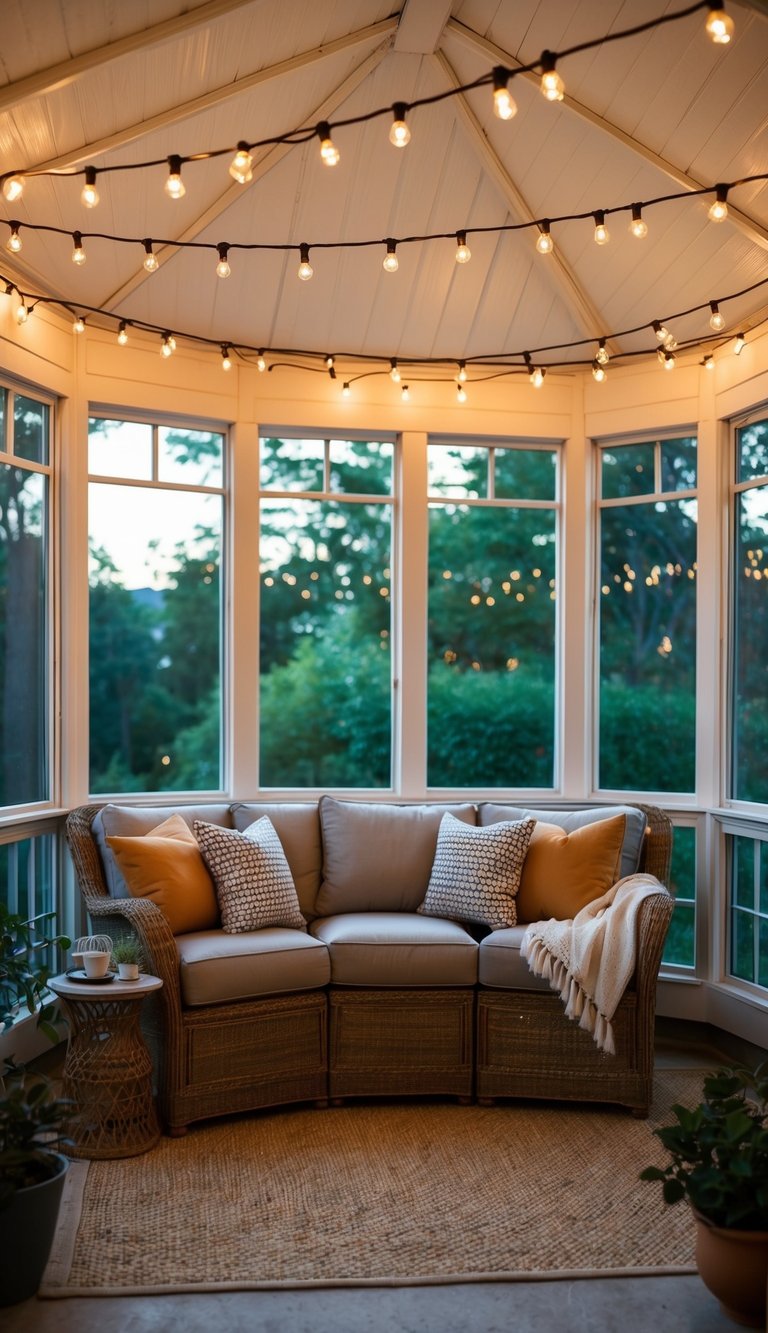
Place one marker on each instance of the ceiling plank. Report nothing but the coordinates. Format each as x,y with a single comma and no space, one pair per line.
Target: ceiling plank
746,224
214,98
261,167
587,314
421,26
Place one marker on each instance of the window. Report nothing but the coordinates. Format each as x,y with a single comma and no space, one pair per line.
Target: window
325,704
25,599
647,615
680,946
155,542
749,909
493,522
27,883
749,779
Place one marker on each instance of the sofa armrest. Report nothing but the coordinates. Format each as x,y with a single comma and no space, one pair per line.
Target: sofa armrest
653,923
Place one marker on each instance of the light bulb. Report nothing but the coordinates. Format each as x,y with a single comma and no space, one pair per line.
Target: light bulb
463,252
166,349
22,313
637,227
405,394
716,319
602,235
241,166
669,360
461,394
719,25
462,375
718,211
305,269
328,150
345,390
13,188
544,241
261,364
174,186
122,333
329,363
504,105
662,333
394,373
602,356
739,344
226,360
171,342
89,195
78,254
399,134
552,85
708,362
537,376
222,268
670,341
78,324
14,240
598,371
390,262
150,260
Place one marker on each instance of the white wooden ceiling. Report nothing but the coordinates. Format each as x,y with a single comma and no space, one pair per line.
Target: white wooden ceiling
104,83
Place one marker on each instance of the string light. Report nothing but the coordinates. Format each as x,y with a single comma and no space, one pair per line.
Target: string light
504,104
222,268
14,242
78,324
739,344
537,376
463,252
719,25
662,333
166,346
709,362
150,260
226,360
669,359
637,227
399,134
552,85
718,211
461,394
345,390
78,253
462,375
330,362
241,166
544,243
390,262
328,150
89,195
174,186
602,234
305,269
405,394
598,371
13,188
22,313
602,355
716,319
394,373
261,364
122,333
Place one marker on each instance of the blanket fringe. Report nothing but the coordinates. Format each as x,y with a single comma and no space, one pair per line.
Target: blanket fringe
578,1005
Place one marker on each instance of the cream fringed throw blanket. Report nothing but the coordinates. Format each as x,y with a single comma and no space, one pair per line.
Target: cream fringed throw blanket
590,959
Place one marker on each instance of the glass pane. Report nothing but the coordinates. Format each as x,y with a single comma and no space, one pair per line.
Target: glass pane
27,883
491,647
647,647
3,405
24,717
743,945
678,465
750,723
30,429
361,468
680,944
525,474
325,702
460,470
120,449
193,457
680,947
292,465
763,895
627,469
155,639
762,954
743,892
752,458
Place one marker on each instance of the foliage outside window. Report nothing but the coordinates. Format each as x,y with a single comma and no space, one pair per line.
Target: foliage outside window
749,909
155,541
493,522
647,615
750,622
680,946
325,703
25,649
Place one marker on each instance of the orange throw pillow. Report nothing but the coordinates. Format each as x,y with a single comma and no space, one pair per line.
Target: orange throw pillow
167,867
562,872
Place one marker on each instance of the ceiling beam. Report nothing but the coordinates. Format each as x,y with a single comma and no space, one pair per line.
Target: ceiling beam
587,314
748,225
261,167
420,26
213,98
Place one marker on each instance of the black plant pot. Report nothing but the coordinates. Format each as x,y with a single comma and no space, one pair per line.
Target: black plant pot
26,1234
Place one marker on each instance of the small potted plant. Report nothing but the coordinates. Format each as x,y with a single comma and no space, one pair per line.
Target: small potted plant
719,1163
128,957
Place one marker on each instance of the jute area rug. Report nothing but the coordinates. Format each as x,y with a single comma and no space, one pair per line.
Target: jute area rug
378,1194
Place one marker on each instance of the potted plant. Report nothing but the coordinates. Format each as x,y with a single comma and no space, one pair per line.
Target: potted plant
719,1163
128,956
32,1117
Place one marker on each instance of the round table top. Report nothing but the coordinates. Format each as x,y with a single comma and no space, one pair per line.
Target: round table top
104,990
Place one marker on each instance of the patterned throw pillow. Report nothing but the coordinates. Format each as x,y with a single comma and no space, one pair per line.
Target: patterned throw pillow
476,872
253,883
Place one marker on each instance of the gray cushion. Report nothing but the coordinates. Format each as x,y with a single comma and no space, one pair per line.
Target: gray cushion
216,968
568,820
397,949
253,882
298,828
135,821
378,857
499,963
476,872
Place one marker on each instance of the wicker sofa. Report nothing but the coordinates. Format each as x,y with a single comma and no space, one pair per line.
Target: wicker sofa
374,998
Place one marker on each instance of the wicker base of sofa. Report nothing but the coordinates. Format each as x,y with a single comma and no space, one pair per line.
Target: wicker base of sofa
396,1043
526,1047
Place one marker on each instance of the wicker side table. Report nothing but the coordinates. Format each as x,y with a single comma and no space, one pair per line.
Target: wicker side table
107,1069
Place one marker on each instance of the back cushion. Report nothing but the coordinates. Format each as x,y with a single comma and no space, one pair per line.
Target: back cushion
378,857
634,830
298,828
135,821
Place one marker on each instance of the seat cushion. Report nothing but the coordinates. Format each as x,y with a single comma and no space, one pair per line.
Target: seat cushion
476,872
499,963
297,825
488,812
397,949
378,857
166,867
216,968
135,821
565,871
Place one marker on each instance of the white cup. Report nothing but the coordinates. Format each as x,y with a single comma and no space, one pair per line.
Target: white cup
95,963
